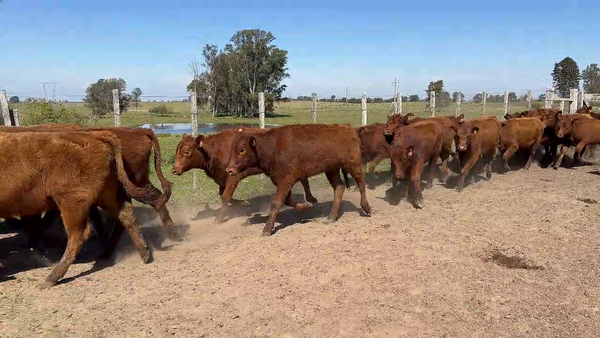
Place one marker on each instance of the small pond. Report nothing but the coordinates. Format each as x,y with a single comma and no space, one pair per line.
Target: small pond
203,128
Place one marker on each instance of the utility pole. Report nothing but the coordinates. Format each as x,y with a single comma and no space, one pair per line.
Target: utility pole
346,95
53,84
395,104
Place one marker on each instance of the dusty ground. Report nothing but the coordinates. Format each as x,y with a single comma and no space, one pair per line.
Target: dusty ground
518,256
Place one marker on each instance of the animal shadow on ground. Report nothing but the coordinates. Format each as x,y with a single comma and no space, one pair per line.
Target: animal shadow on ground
16,256
288,216
594,172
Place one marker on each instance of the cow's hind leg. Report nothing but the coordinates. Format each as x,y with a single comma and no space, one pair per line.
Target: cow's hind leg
510,151
338,192
165,217
298,206
580,146
531,155
356,172
558,161
466,169
444,171
78,231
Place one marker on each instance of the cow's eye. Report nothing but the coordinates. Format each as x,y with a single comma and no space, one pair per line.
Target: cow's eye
242,150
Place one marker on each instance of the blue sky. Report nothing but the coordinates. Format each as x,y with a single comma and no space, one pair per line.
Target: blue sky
472,45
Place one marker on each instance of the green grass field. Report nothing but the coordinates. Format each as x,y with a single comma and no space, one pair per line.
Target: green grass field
184,196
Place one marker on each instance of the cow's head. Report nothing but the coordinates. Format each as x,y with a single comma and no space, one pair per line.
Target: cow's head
514,115
564,126
190,154
550,118
243,154
585,109
464,133
394,123
401,155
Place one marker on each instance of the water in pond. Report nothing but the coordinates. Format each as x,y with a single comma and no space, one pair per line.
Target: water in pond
203,128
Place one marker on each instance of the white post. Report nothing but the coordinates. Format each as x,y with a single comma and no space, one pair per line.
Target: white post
432,103
16,115
364,109
399,100
261,110
458,100
581,99
529,100
574,100
483,102
562,106
314,108
505,103
116,109
549,98
194,115
209,106
4,107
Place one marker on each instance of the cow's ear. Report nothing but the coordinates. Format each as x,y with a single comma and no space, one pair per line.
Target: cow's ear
409,151
584,104
474,130
252,142
184,136
461,118
453,127
360,130
409,115
199,141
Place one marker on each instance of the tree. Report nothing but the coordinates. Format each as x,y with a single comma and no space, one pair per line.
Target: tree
542,97
455,96
161,110
39,111
413,98
14,99
591,78
512,96
99,97
136,95
566,76
442,97
332,98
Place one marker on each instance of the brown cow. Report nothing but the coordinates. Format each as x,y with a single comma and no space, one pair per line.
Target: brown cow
94,176
549,139
373,146
211,153
140,143
449,125
588,109
290,153
475,138
412,146
520,133
565,126
515,115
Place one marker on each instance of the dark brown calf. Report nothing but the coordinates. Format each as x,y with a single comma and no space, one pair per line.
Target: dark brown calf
520,133
211,153
565,128
291,153
588,109
412,146
94,176
475,138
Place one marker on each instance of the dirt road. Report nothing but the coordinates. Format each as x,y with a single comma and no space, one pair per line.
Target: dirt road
518,256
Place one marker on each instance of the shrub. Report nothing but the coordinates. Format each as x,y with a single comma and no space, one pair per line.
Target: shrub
537,105
161,111
43,112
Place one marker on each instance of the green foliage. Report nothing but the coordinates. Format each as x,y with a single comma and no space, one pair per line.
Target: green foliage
38,111
234,76
537,105
99,97
591,78
542,97
455,96
442,98
161,111
566,76
478,98
512,96
413,98
136,97
14,99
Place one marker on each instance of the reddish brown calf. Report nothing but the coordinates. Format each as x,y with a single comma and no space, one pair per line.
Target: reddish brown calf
294,152
566,127
520,133
373,146
414,145
475,138
211,153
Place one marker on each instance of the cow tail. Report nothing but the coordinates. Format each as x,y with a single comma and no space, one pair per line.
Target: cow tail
145,194
166,185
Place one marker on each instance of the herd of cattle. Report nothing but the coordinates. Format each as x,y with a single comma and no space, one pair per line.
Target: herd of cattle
70,171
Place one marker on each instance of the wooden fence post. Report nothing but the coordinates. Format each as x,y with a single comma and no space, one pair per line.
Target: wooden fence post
574,100
549,98
562,106
483,102
364,109
314,107
399,100
581,99
194,125
4,107
261,110
116,109
458,99
529,100
209,106
432,103
505,103
16,116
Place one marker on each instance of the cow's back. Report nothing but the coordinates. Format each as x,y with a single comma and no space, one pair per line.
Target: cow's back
488,134
426,135
36,163
372,140
586,129
523,131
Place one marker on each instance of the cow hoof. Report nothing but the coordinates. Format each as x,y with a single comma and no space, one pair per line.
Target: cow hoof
303,206
459,189
45,285
147,258
419,204
174,235
245,203
330,220
265,234
312,199
367,210
555,168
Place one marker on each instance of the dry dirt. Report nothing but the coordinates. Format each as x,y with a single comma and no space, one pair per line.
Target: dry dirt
517,256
